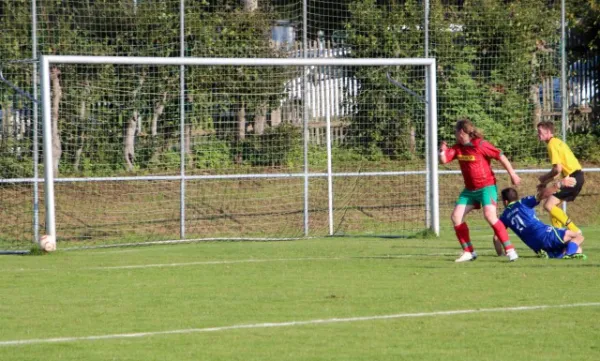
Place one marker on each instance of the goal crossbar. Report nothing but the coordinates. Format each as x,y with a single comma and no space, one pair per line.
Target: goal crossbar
132,60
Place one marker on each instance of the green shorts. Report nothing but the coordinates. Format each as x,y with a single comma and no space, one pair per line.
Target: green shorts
485,196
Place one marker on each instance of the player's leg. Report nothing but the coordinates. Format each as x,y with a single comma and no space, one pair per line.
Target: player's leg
464,205
489,198
573,241
553,244
568,194
558,217
563,243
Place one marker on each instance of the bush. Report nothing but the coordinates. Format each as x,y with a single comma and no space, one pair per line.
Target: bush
273,147
317,156
586,146
212,153
11,167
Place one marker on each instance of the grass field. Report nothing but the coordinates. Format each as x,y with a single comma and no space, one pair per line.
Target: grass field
318,299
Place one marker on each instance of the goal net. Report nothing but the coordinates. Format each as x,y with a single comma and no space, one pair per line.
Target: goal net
499,64
178,149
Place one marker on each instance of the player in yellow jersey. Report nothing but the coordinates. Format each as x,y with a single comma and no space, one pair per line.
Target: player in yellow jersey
565,163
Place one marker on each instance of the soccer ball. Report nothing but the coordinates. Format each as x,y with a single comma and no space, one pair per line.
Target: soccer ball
48,243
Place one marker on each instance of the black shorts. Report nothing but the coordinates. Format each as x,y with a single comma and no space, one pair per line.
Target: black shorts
569,194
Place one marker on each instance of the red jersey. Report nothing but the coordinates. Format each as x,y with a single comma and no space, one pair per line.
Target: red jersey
474,159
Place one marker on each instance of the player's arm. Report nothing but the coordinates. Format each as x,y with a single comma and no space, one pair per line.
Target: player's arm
498,246
446,154
496,241
547,177
489,150
514,177
546,191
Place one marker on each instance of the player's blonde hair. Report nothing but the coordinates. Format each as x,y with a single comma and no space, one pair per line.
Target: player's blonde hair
467,126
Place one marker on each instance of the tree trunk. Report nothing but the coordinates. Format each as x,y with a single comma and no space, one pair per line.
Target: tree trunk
56,97
241,120
80,137
275,117
130,129
159,109
413,142
187,146
129,139
534,93
6,125
250,5
81,134
260,119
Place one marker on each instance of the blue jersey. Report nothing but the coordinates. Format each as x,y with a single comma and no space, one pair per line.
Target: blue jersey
520,217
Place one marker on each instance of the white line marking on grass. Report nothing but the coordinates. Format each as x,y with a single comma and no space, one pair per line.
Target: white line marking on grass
258,260
290,323
200,263
93,253
181,264
253,260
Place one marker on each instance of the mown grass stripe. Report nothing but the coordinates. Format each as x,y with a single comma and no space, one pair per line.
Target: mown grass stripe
290,324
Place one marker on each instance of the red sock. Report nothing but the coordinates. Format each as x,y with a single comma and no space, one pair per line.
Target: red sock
502,234
462,233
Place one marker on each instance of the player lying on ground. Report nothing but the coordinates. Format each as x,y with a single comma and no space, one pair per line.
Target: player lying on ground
544,240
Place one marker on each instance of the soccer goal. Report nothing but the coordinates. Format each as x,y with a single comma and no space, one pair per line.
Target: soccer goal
142,150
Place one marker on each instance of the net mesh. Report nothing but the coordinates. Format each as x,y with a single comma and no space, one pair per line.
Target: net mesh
498,63
243,147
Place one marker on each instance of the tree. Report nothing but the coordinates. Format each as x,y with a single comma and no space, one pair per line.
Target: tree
15,140
134,93
390,30
238,90
584,21
489,53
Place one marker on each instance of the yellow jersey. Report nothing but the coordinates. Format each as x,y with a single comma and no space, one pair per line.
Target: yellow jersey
560,153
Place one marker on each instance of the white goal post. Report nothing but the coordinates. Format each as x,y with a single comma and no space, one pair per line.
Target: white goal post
430,123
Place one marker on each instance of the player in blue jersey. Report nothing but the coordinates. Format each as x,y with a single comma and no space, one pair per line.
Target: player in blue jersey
544,240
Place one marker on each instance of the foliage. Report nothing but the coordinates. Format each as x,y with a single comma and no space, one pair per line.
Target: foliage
340,154
15,167
488,55
584,27
212,153
384,31
271,148
586,147
584,17
233,34
136,94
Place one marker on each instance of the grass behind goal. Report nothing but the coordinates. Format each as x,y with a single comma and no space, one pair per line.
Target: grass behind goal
319,299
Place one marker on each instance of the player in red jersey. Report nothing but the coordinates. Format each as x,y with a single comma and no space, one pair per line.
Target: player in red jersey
474,156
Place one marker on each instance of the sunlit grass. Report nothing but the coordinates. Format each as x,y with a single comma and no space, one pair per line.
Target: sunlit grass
221,284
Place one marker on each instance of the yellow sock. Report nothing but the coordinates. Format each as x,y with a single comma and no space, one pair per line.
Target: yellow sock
560,219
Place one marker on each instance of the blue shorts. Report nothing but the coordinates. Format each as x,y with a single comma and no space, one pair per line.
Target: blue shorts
554,243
